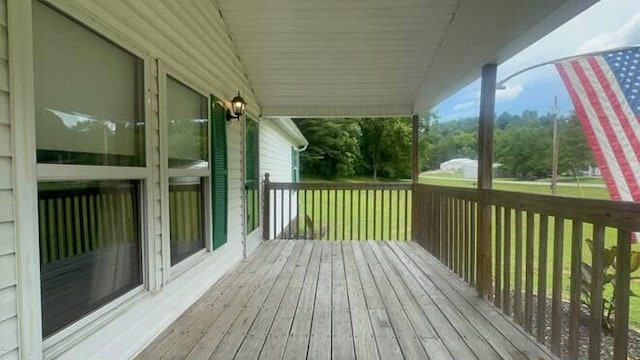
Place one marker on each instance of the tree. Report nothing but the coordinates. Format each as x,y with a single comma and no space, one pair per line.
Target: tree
386,147
574,154
523,149
334,147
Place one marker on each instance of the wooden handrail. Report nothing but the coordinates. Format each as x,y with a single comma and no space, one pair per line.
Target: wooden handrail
339,186
618,214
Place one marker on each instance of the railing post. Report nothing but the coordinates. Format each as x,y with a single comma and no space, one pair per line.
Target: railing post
415,173
485,167
266,205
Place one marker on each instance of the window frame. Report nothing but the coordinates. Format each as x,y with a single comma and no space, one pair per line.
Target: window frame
61,340
171,272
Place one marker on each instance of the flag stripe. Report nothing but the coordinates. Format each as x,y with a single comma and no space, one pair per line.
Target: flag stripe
563,70
623,149
604,133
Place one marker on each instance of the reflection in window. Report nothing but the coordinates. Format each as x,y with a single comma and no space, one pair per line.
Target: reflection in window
88,95
187,128
186,217
89,247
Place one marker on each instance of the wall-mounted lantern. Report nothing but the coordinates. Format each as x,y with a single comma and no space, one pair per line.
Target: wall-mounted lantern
237,108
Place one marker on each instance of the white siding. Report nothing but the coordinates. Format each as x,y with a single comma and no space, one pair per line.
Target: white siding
8,302
275,159
191,39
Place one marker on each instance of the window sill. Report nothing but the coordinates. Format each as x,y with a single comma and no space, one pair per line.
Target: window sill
64,339
188,263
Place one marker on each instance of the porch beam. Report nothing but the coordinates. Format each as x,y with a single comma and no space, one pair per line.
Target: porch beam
485,166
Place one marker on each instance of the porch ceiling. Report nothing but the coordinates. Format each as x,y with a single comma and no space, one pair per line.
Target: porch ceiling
378,57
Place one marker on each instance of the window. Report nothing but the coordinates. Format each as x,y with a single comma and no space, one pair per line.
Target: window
252,171
295,165
90,146
88,95
187,124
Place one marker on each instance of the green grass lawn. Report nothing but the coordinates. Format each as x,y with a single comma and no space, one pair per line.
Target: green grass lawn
383,216
563,188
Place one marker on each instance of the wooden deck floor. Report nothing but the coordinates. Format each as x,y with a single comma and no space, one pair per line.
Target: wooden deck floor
342,300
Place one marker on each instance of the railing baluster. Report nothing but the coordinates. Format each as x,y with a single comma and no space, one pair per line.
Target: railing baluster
556,302
497,298
390,207
304,212
459,237
597,265
506,282
335,214
517,277
289,234
528,292
541,311
465,232
397,208
358,216
621,295
375,207
344,217
319,224
381,214
406,214
472,257
454,232
576,280
366,215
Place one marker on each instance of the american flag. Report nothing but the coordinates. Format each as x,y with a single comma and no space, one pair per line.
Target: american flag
605,91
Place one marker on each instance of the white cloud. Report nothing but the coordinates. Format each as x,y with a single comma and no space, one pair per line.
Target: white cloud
510,93
464,105
628,34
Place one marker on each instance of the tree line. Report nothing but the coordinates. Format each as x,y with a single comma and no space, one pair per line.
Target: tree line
381,148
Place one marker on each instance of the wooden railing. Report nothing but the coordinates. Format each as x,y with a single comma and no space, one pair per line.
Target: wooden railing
540,261
337,211
446,225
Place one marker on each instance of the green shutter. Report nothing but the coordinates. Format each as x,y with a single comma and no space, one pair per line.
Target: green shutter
219,199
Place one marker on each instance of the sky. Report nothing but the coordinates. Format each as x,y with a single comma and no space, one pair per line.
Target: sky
607,24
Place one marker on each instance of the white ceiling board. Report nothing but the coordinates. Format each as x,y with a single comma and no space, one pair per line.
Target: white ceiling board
332,57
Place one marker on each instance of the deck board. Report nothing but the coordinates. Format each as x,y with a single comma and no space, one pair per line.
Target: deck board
342,300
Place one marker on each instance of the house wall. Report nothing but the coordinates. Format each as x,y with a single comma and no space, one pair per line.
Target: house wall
275,159
191,39
8,279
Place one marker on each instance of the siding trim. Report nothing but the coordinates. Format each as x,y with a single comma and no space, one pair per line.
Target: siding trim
24,178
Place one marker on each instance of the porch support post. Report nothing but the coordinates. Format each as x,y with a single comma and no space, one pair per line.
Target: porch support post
415,166
266,206
415,172
485,167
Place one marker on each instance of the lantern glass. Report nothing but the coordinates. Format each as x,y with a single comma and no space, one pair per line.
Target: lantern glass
238,105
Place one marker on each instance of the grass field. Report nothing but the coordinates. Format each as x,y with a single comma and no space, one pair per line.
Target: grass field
344,214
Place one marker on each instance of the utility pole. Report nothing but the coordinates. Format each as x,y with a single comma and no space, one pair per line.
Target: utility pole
556,147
